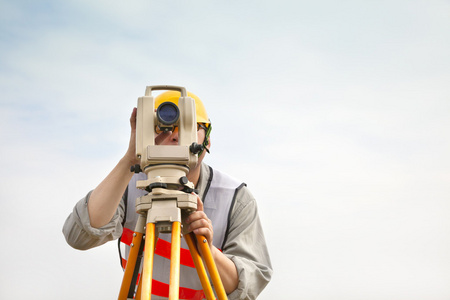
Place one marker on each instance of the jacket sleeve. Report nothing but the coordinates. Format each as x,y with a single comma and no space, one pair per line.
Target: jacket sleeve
246,247
82,236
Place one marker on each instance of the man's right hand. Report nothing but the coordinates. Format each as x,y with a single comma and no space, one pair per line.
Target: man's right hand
131,152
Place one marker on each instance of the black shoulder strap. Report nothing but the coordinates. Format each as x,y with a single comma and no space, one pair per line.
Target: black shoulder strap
229,213
208,184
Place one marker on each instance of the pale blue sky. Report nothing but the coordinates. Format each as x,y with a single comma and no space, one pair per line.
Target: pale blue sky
336,115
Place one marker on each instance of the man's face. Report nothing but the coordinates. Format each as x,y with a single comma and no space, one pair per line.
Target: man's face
171,137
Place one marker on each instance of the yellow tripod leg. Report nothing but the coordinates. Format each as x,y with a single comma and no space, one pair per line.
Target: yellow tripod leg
174,286
200,267
212,268
139,289
149,252
131,264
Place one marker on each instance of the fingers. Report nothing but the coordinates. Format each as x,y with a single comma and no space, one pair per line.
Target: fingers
133,118
198,219
131,152
199,223
199,203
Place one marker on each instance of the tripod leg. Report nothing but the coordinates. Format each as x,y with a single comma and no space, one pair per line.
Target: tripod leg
200,267
174,286
212,268
128,286
139,291
127,283
148,262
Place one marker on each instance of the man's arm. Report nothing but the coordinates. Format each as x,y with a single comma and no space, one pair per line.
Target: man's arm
105,198
81,235
96,218
246,248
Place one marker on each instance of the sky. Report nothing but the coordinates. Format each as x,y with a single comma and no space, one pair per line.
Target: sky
335,114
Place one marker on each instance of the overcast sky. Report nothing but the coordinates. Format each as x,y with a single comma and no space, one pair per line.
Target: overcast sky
335,113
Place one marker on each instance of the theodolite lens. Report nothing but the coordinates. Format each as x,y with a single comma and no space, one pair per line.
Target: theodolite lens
168,113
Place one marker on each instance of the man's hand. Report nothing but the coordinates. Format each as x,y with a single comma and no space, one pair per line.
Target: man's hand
199,223
131,152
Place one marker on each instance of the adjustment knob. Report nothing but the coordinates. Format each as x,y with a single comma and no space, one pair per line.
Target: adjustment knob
136,168
184,180
196,148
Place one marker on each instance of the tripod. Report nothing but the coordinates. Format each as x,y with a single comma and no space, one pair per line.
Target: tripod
160,211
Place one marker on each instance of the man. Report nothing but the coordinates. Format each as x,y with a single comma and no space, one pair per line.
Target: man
226,215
